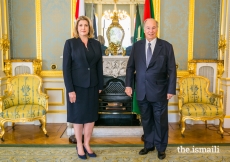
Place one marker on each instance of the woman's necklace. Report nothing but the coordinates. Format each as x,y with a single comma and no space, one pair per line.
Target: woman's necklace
85,42
87,48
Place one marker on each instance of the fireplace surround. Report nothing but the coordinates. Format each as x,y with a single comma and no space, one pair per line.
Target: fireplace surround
115,107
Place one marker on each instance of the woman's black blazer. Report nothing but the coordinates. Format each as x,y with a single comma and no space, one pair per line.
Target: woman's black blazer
76,69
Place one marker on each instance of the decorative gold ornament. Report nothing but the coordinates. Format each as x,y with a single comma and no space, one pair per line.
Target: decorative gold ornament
222,44
192,64
37,65
220,69
5,43
192,68
115,35
7,68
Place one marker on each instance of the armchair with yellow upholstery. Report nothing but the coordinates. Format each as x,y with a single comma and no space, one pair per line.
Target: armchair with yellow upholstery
197,103
23,101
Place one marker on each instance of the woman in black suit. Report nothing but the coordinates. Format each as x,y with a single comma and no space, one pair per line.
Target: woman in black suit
83,77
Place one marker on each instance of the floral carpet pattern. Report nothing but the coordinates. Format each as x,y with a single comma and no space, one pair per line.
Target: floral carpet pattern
112,154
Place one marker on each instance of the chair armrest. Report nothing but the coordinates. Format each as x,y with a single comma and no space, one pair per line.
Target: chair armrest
180,101
43,101
215,99
4,104
180,96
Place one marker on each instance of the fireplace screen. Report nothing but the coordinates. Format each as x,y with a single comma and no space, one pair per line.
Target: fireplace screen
113,97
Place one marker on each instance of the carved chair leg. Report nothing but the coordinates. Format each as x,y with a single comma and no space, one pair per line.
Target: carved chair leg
180,121
220,127
13,125
182,127
2,131
206,123
43,122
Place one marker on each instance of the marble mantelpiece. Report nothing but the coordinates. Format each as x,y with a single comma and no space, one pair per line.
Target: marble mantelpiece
115,65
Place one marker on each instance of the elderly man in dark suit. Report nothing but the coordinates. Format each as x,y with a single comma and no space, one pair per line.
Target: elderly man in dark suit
154,63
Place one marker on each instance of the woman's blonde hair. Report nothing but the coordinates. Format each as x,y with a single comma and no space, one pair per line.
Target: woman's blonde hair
91,31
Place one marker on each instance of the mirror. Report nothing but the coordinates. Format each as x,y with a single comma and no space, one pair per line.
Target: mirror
115,35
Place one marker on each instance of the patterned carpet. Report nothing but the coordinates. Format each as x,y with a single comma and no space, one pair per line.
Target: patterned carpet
67,153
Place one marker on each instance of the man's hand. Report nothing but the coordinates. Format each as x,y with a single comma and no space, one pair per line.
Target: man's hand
169,96
100,91
128,91
72,97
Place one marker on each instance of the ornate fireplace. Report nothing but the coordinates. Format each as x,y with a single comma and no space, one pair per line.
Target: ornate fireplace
115,107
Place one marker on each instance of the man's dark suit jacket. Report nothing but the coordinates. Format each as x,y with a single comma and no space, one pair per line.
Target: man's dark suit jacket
159,78
76,69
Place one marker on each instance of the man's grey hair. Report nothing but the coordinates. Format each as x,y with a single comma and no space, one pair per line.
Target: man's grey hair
151,19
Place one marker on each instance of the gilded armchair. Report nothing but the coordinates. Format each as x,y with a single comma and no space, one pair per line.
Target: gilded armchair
23,102
197,103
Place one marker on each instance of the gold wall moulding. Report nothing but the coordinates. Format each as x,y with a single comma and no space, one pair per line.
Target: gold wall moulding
7,68
57,112
37,65
4,43
182,73
117,2
222,44
191,29
62,96
52,73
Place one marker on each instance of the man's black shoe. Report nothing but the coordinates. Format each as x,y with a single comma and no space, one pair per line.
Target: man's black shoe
161,155
146,150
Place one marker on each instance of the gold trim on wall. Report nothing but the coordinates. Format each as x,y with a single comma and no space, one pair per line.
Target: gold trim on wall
226,79
73,9
51,74
57,112
181,73
5,34
38,29
191,29
157,7
55,103
225,84
64,112
227,116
